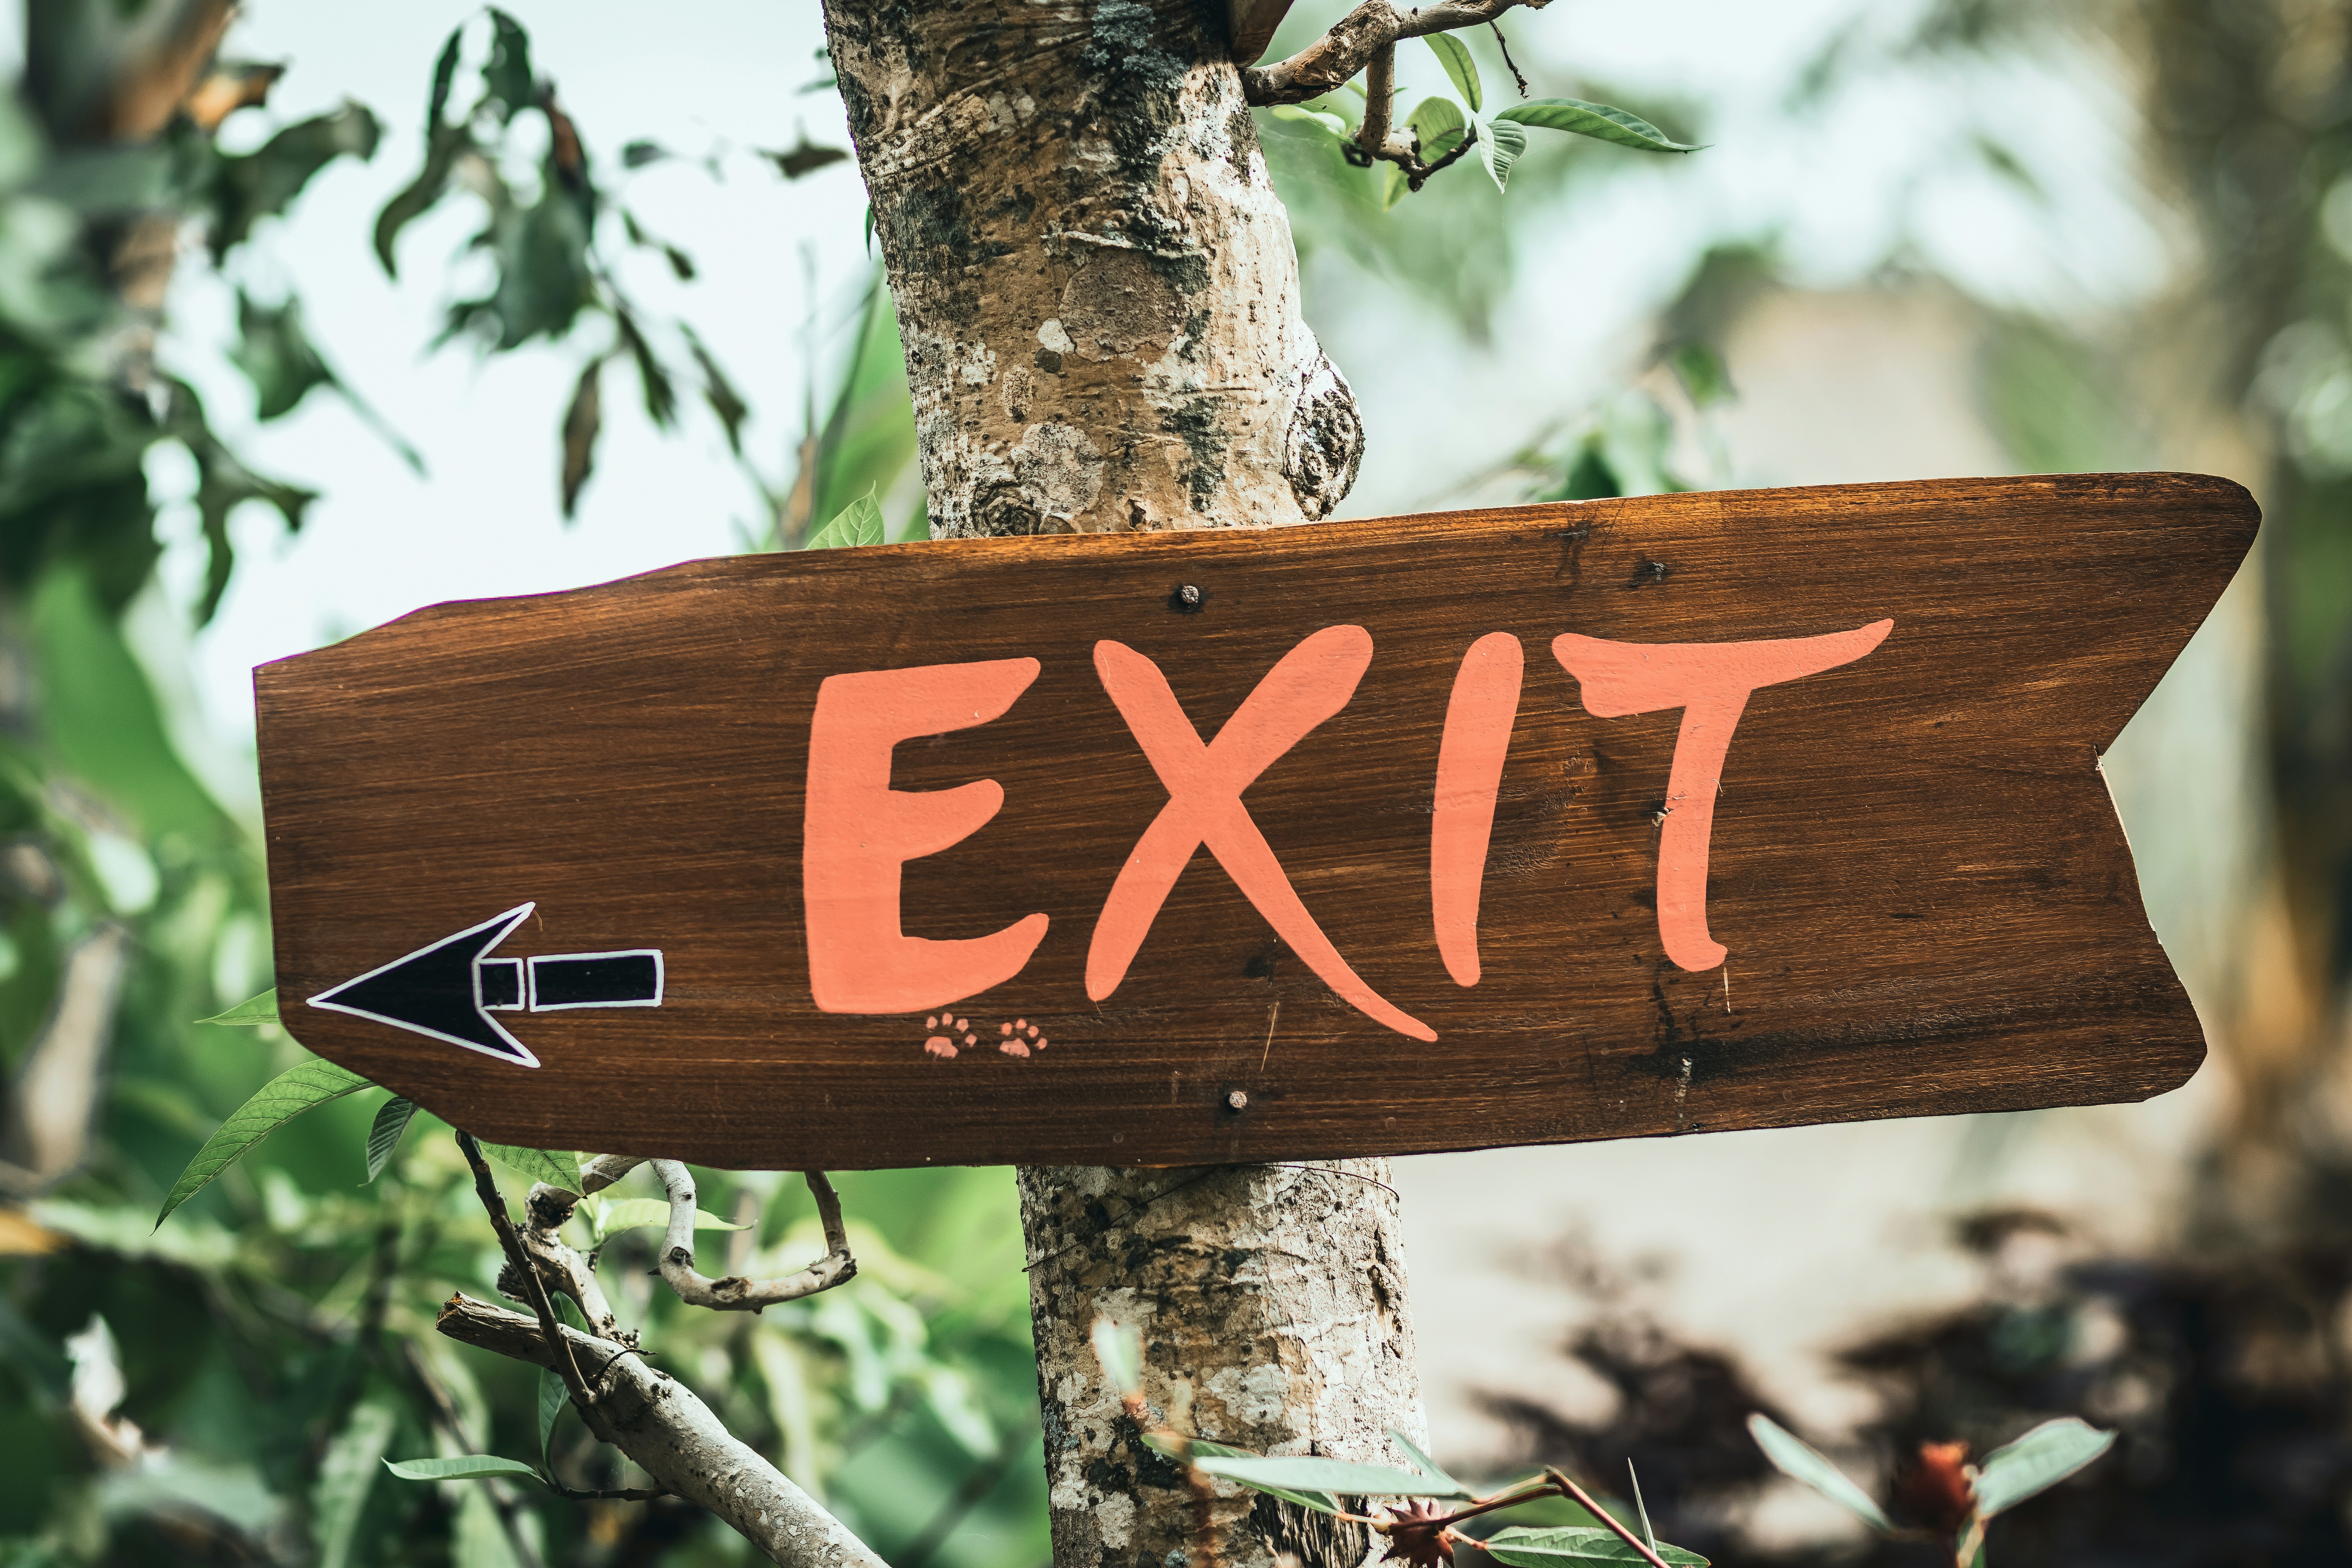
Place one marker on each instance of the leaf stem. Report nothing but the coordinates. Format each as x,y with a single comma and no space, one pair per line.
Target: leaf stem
1584,1501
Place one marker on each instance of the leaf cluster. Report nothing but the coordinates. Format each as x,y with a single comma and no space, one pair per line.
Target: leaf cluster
1440,130
553,231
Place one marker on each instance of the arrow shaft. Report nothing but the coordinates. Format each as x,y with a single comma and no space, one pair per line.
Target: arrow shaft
630,978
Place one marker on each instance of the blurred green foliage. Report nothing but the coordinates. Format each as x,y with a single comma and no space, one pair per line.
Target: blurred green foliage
225,1387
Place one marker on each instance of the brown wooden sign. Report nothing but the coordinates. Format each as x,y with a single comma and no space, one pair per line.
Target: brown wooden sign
1561,821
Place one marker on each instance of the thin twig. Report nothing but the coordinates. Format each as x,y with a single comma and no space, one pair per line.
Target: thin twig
735,1294
1584,1501
1348,46
1379,103
625,1494
1488,1505
1505,44
534,1289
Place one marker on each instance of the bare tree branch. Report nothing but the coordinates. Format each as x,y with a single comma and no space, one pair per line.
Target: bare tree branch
534,1289
546,1210
1380,104
1518,77
738,1295
671,1435
1332,61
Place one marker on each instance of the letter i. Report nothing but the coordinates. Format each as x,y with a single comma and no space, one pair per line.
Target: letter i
1478,720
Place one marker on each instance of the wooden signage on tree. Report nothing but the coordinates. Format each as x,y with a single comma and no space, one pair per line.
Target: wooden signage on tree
1586,820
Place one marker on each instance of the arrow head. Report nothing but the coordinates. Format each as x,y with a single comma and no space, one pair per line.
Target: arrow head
436,992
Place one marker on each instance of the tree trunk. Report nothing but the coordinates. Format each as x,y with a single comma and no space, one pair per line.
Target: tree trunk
1099,301
1271,1301
1095,281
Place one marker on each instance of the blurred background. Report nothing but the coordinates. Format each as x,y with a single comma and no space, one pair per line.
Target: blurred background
394,305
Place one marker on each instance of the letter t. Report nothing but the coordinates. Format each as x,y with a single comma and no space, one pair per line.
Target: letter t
1710,682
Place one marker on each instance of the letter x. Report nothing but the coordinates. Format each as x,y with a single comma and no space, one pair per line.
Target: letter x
1204,786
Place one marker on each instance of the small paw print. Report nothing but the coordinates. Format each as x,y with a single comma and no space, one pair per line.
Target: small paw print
943,1044
950,1036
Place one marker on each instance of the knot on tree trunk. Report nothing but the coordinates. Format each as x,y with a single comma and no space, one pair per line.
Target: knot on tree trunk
1325,444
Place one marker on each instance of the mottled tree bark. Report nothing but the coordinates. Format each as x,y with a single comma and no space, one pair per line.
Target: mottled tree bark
1271,1301
1095,280
1100,300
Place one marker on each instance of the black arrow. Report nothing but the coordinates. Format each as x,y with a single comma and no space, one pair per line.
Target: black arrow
449,990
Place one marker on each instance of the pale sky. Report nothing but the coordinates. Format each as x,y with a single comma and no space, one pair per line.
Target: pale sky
1875,174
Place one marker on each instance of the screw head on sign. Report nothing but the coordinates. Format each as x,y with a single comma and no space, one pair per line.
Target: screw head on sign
1189,599
1237,1100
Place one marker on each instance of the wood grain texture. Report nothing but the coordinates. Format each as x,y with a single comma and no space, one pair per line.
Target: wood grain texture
1928,903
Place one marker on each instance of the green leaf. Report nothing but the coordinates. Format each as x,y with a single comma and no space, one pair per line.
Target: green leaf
584,421
1527,1546
859,522
248,187
2037,1461
261,1009
1795,1458
661,397
277,356
717,390
556,1167
1705,377
383,1133
628,1213
1392,185
444,74
802,158
507,74
443,145
273,1104
1304,116
1594,119
552,1397
346,1475
1640,1507
1119,1349
1438,121
1312,1474
464,1467
1500,142
222,484
1201,1448
1429,1466
1454,56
